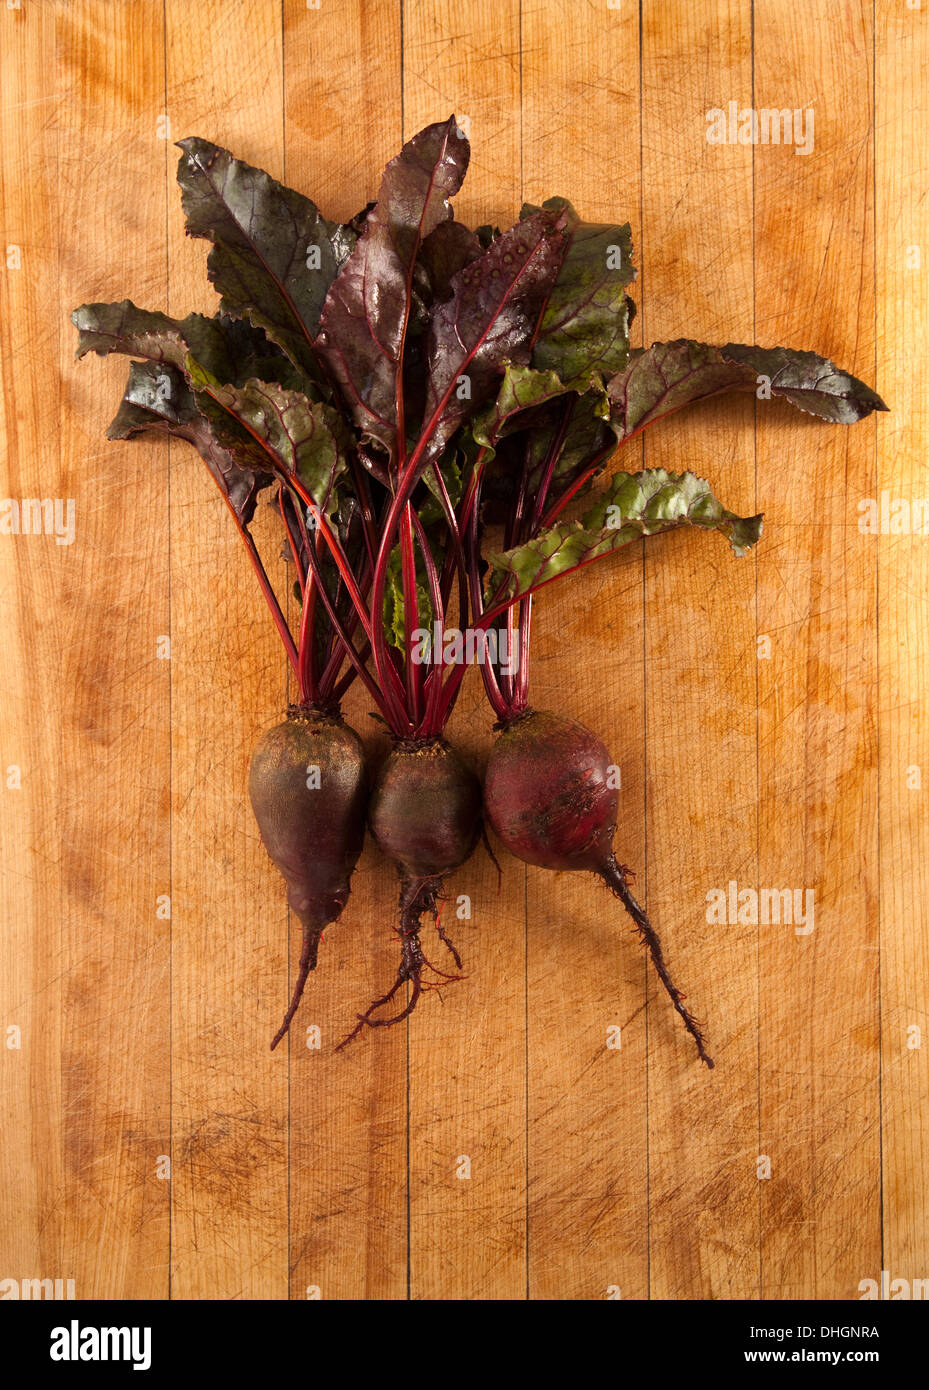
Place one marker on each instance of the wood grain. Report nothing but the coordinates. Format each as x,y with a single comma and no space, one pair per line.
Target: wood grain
700,670
91,731
229,1139
819,1026
902,350
115,844
34,945
768,715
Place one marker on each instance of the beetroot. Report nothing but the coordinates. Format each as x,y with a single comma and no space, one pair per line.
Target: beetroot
425,815
425,809
308,787
547,795
406,387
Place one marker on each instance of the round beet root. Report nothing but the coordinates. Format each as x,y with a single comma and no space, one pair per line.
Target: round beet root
308,786
547,795
425,811
425,815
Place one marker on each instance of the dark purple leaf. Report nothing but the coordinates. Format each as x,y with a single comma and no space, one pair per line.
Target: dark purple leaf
667,376
158,398
448,248
298,435
274,255
367,312
122,327
230,349
488,321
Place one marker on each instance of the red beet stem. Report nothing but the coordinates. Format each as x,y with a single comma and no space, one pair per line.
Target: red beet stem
614,876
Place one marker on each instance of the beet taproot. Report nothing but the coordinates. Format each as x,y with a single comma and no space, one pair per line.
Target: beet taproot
308,785
425,815
549,795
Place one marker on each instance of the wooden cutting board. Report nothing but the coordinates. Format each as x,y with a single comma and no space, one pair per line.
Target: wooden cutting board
768,715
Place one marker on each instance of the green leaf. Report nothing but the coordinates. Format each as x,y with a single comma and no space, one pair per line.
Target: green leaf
394,611
305,437
274,255
586,444
634,505
667,376
521,390
585,326
432,511
533,405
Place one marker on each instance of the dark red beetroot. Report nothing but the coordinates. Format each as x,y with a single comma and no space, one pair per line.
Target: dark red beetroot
425,815
312,825
547,795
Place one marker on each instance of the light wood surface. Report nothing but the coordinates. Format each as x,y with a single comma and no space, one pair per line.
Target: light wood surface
768,715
